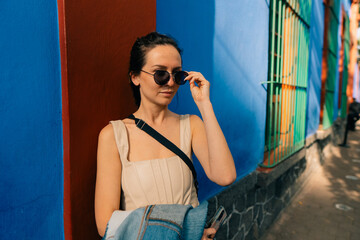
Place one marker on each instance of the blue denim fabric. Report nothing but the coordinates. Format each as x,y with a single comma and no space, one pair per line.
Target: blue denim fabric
169,221
194,222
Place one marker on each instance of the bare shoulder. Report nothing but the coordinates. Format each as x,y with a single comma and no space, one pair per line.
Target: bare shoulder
107,133
196,124
107,149
195,120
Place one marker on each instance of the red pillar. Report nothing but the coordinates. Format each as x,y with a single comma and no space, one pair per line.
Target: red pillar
95,41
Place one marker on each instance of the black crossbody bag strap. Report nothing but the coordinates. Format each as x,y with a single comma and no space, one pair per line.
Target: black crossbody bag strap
164,141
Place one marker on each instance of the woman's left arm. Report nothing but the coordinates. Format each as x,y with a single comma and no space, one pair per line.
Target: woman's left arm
208,141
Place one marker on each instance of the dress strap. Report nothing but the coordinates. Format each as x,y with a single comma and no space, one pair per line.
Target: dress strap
121,139
185,134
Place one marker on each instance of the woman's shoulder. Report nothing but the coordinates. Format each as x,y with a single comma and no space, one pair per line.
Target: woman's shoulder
195,122
112,131
107,133
195,119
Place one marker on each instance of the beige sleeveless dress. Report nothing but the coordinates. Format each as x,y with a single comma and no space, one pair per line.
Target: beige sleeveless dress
155,181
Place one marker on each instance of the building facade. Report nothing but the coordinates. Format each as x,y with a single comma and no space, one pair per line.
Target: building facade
282,74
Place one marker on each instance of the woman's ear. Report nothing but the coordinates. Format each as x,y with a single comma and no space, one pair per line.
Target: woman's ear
135,79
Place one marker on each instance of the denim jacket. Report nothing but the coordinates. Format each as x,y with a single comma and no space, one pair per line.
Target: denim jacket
168,221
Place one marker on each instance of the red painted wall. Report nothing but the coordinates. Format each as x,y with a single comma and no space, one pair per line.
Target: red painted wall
96,41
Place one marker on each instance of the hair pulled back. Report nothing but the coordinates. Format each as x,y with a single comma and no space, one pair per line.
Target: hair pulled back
138,53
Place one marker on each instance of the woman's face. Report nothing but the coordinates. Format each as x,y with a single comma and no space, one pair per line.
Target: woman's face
162,57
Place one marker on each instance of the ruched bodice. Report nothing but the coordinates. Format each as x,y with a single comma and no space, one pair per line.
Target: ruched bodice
155,181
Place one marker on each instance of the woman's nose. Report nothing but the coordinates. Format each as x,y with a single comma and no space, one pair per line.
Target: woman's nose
171,81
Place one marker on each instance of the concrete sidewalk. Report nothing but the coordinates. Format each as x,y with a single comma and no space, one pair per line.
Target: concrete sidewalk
314,212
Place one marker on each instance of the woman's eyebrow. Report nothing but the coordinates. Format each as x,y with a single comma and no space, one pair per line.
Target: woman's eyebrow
164,67
159,66
177,68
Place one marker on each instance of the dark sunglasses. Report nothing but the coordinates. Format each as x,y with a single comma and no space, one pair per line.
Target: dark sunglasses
161,77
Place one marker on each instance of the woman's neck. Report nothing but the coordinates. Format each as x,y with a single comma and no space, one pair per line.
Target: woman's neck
152,114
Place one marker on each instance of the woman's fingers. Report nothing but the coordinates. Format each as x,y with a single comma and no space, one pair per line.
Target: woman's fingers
209,233
199,86
196,76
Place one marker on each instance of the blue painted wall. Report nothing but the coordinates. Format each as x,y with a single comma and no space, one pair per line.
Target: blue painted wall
31,184
315,61
228,42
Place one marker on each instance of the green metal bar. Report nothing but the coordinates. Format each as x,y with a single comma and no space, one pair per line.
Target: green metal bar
299,104
291,67
283,8
287,76
293,81
270,94
275,93
297,93
287,70
301,93
306,78
292,70
278,87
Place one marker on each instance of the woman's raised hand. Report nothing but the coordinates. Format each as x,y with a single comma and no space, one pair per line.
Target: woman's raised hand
201,92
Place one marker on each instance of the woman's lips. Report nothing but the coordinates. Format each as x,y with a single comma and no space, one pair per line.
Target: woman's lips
167,93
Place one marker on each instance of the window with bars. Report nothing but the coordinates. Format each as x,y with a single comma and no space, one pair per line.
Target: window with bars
287,79
330,55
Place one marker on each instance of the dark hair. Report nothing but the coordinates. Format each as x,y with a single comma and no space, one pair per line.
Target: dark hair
138,53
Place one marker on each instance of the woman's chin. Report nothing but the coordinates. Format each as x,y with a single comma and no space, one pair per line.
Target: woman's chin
165,101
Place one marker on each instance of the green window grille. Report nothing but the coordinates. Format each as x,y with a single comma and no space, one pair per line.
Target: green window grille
332,56
346,43
287,79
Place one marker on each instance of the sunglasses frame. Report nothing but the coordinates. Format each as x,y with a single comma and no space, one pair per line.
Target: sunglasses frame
171,75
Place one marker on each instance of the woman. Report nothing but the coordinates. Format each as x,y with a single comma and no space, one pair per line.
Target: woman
132,167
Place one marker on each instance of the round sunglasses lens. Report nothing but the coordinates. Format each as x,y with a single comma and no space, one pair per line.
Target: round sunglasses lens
180,77
161,77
